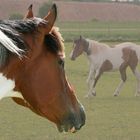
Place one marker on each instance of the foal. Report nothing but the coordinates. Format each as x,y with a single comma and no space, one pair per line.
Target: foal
102,58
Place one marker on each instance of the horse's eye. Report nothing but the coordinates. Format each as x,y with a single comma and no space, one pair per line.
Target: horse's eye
61,62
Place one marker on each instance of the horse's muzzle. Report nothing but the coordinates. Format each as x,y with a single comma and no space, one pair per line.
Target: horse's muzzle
73,122
72,57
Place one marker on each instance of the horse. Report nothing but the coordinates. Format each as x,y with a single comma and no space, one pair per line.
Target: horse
103,58
32,70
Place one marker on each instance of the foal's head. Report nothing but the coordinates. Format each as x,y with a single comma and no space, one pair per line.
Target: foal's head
79,46
39,73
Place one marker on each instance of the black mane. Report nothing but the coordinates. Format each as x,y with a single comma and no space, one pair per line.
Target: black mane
51,43
15,28
22,26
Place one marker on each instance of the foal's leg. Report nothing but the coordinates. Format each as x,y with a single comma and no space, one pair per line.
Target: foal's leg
117,91
137,74
90,79
123,79
92,91
133,62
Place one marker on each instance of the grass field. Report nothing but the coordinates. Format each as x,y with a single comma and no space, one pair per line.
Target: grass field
102,31
108,117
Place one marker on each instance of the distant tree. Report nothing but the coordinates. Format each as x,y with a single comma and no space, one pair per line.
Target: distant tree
43,10
15,16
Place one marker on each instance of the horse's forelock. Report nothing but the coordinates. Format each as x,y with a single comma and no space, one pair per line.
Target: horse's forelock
11,41
13,29
60,40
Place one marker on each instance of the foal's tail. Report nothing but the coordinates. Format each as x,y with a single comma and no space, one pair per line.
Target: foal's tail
8,43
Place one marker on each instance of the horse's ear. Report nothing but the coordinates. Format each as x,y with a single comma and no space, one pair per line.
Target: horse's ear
50,18
29,13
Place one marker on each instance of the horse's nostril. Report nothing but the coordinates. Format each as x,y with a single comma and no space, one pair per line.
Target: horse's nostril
77,120
83,116
73,121
78,127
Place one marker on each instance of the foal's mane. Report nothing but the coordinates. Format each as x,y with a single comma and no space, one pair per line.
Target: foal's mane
97,46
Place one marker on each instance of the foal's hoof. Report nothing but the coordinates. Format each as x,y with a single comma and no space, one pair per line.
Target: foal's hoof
89,96
94,93
115,95
137,95
86,96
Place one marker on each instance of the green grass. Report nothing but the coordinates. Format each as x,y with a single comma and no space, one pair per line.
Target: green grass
108,117
103,31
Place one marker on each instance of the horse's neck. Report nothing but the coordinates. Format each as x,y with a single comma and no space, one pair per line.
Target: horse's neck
96,47
86,46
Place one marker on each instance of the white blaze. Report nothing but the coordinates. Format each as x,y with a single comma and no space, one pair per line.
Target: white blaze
6,88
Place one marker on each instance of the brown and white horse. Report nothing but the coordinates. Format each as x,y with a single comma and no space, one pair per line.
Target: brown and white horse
103,58
32,70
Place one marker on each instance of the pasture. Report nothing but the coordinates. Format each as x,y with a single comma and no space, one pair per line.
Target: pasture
101,31
108,117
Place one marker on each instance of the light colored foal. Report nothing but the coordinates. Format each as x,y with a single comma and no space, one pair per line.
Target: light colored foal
103,58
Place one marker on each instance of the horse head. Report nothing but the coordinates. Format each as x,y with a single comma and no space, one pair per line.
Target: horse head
80,45
37,68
